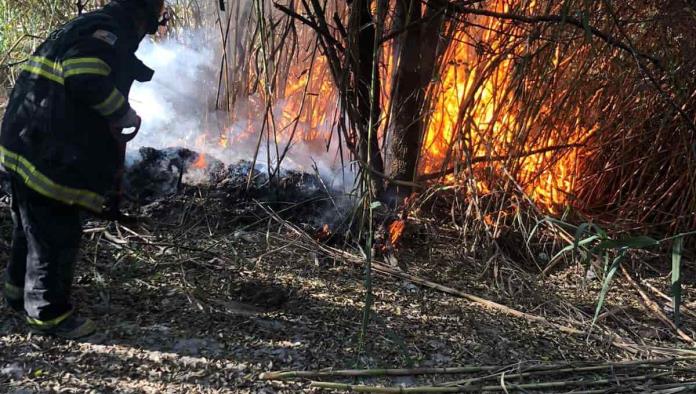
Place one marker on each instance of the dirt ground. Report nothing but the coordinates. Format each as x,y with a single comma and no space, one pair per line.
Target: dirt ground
201,302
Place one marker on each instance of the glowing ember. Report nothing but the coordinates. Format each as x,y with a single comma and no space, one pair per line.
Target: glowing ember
323,234
200,161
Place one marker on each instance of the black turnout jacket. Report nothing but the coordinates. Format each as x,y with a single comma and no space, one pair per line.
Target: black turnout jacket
55,134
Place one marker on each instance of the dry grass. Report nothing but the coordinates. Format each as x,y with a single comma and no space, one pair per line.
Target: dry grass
178,308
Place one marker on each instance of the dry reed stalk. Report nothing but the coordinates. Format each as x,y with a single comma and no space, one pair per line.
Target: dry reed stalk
503,386
547,369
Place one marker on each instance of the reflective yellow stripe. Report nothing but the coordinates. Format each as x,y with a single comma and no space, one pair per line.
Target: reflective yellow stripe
85,71
46,324
56,67
111,104
85,65
13,292
42,73
44,68
57,72
43,185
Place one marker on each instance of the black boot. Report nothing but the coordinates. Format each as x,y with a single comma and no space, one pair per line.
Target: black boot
68,326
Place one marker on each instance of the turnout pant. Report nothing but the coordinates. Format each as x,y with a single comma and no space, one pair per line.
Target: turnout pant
45,242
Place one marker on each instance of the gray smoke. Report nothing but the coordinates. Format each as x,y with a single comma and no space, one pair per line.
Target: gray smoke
177,108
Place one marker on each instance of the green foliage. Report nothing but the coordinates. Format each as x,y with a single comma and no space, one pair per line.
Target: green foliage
590,241
23,24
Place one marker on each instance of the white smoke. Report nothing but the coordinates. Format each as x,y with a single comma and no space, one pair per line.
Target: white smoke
177,109
174,105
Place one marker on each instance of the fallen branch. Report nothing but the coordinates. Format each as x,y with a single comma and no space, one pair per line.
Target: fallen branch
549,370
613,339
684,309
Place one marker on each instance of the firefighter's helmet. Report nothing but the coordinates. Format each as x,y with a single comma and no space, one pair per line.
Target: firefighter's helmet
154,14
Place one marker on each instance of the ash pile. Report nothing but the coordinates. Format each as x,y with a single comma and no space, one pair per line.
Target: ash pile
157,182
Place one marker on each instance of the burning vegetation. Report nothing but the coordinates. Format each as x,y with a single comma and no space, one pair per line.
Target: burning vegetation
576,108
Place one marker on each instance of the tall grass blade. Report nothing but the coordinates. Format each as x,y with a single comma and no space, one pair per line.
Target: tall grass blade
677,247
578,235
605,286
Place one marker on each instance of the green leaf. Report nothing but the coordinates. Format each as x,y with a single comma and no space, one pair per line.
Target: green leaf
639,242
579,233
574,246
560,223
375,205
547,219
605,286
677,248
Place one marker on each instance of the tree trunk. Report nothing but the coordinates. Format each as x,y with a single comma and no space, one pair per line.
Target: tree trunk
416,64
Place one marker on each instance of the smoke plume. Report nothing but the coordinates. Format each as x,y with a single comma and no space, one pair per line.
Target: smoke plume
178,110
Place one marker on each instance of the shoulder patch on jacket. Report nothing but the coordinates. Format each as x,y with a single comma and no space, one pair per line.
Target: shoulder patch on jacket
106,36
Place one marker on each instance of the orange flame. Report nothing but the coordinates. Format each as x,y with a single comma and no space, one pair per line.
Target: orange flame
396,230
473,112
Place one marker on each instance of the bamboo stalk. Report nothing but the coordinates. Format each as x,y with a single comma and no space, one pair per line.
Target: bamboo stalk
499,387
544,371
375,372
540,369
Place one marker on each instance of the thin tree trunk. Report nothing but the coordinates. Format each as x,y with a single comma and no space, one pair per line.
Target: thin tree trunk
363,66
416,64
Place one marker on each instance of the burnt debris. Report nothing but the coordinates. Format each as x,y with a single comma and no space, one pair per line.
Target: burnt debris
155,179
153,174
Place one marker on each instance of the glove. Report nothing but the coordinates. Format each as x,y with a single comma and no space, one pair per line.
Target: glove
127,121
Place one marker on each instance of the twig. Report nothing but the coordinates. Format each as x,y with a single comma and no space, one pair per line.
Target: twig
564,19
323,32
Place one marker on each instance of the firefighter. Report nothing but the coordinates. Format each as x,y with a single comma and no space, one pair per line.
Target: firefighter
62,142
